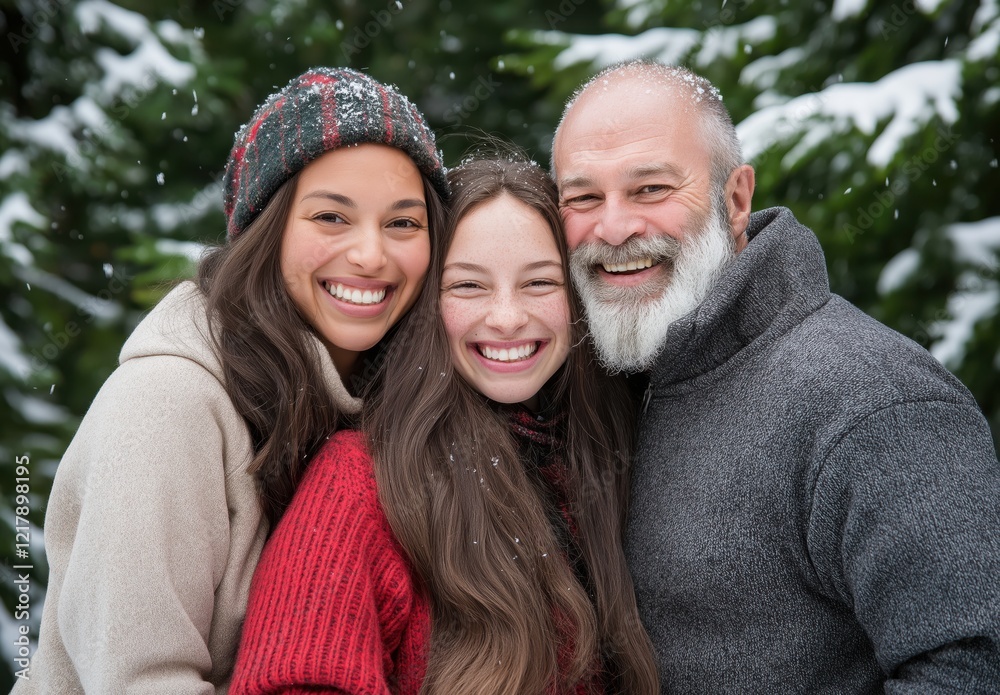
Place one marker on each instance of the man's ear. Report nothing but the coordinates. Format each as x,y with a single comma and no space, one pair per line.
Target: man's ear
739,193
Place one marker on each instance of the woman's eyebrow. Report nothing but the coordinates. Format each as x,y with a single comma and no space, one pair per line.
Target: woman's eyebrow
472,267
402,204
543,264
475,268
408,203
335,197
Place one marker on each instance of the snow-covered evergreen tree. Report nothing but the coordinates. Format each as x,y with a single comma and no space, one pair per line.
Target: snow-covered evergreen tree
85,166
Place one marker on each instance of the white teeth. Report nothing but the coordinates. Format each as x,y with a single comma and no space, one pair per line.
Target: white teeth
638,264
355,296
508,354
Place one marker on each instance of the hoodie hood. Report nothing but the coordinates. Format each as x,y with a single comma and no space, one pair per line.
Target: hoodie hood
178,326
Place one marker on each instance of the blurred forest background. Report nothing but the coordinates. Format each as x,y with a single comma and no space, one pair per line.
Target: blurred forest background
875,122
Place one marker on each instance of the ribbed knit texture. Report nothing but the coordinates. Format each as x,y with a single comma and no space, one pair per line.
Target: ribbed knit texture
334,607
816,500
320,110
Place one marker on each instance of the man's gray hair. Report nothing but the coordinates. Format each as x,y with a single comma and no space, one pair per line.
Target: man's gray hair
717,127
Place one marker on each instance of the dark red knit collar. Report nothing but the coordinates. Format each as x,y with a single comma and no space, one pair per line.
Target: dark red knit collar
541,428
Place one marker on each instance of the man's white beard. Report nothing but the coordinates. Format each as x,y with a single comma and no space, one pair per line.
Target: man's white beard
629,325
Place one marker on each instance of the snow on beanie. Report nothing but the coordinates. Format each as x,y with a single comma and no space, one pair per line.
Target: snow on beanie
320,110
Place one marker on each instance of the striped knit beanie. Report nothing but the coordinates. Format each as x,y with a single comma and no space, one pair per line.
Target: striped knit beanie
320,110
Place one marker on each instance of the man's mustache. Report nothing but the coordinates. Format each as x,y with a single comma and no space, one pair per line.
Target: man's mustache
658,247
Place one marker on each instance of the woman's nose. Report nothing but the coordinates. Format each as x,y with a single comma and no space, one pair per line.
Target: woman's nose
367,250
507,313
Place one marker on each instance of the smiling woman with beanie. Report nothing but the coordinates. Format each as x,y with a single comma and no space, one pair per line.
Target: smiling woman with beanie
192,449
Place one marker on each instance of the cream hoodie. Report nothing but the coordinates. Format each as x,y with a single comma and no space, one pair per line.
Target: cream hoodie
153,528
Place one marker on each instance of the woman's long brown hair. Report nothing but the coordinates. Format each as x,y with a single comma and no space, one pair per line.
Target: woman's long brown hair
507,607
271,372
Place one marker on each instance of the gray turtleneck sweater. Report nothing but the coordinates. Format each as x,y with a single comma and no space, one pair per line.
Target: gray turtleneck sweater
816,501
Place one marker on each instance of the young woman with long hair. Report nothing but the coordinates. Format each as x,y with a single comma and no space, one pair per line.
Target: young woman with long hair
470,541
192,450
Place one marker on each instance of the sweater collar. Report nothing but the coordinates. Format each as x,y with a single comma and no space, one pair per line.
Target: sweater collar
777,280
543,428
347,403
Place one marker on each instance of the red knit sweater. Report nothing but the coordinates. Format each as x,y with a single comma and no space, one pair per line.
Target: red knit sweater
333,606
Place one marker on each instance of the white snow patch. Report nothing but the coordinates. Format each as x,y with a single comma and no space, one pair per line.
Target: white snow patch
91,14
986,45
988,11
16,208
845,9
148,59
669,45
99,308
966,309
898,270
13,162
35,410
928,6
665,44
12,358
190,250
777,119
89,114
908,97
169,216
174,33
722,43
54,132
765,72
977,243
638,12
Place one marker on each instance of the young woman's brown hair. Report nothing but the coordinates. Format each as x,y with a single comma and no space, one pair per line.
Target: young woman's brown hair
507,605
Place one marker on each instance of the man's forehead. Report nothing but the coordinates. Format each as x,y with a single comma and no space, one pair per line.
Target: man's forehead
620,119
626,151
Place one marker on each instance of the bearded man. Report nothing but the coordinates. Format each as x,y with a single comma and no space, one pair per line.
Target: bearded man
816,501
